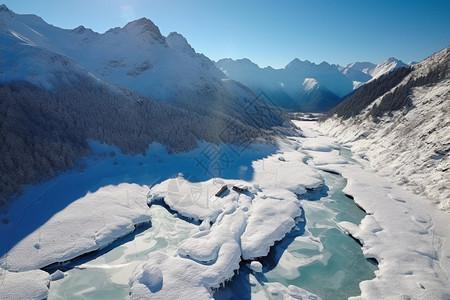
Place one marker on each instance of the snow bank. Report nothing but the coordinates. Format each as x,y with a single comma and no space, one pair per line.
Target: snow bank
204,262
406,234
190,199
402,233
88,224
24,285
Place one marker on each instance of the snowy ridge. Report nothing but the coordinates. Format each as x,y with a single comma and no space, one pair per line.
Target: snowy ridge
410,145
22,59
365,71
385,67
286,87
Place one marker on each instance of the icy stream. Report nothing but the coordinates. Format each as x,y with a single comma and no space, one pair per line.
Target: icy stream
316,256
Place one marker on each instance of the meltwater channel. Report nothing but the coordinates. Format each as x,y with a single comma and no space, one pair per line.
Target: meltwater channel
316,256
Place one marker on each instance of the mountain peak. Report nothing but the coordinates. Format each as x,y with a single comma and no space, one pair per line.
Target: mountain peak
143,23
6,10
3,7
298,63
178,42
144,26
81,29
391,60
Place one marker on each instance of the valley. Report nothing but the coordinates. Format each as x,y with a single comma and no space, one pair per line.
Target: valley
135,167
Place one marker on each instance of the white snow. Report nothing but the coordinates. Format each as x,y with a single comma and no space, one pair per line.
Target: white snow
90,223
363,72
32,285
309,84
404,232
385,67
165,68
411,146
245,225
293,80
256,266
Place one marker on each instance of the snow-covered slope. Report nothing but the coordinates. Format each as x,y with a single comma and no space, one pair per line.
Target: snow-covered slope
22,59
164,68
411,144
386,66
303,85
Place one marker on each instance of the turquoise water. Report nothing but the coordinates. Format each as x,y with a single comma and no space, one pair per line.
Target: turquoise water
316,256
105,275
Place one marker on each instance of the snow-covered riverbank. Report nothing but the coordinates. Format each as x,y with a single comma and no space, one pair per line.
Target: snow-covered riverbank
403,232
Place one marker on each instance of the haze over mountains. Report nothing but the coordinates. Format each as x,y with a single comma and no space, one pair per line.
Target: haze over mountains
303,85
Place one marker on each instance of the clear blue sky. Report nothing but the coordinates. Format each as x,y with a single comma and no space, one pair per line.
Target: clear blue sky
272,32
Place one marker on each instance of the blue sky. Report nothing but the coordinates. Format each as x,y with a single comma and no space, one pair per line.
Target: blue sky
272,32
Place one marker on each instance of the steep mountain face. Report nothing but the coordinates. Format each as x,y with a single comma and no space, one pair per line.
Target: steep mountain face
403,126
54,97
289,87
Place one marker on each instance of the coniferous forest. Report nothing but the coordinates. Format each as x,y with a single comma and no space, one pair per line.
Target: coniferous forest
44,132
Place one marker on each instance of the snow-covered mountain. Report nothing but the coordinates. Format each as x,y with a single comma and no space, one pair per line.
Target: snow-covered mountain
401,123
136,56
363,72
61,87
291,87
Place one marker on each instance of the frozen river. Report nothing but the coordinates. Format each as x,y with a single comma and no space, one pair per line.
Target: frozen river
316,255
175,256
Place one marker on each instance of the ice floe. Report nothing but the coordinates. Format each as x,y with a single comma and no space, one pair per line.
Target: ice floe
90,223
247,219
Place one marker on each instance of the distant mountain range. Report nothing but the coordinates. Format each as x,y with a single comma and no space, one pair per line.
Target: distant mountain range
303,85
